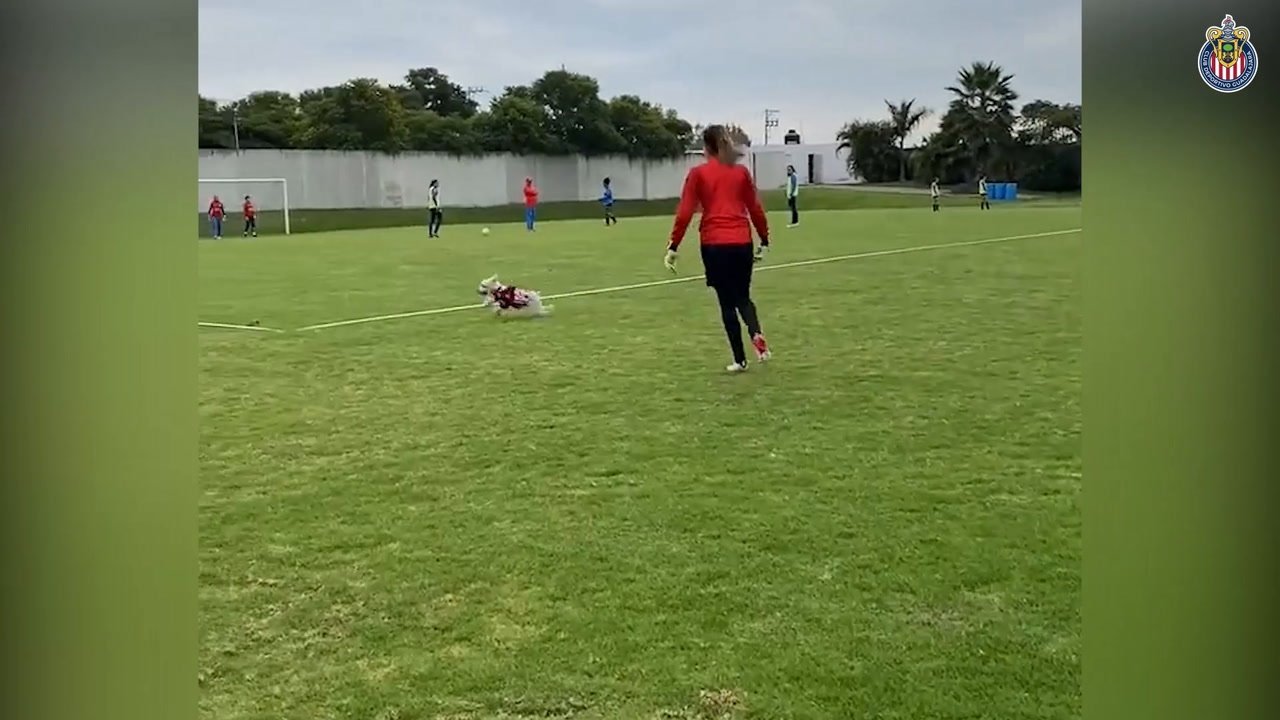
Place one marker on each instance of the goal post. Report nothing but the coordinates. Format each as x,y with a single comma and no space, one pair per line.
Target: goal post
271,195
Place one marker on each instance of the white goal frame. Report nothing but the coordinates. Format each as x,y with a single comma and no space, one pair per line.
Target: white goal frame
284,190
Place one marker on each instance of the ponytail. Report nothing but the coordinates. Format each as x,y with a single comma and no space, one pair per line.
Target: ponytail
719,143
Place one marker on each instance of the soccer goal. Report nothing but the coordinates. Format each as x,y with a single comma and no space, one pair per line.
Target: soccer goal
270,197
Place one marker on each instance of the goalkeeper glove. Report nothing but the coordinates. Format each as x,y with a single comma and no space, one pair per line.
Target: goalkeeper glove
670,260
762,250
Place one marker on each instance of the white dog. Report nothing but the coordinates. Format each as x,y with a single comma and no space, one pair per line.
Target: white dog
511,301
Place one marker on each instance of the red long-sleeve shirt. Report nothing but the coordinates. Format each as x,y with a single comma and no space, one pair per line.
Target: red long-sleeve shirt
729,201
216,209
530,195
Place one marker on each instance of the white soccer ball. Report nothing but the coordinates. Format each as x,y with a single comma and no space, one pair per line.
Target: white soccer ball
484,231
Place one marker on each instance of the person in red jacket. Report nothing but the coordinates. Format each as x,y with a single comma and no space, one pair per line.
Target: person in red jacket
726,194
216,212
530,203
250,217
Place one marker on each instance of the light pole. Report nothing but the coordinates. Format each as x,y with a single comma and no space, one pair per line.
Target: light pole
770,121
473,90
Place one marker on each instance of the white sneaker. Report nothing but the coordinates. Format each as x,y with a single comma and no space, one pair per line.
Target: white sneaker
737,368
793,225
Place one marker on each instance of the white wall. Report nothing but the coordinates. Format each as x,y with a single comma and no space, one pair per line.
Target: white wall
337,179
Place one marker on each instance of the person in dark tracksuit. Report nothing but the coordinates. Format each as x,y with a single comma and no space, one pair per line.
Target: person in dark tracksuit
436,215
250,214
730,205
793,195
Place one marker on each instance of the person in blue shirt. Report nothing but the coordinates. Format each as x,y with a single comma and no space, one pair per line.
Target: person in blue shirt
606,199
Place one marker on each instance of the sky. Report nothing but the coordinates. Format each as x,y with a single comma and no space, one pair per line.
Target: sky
820,63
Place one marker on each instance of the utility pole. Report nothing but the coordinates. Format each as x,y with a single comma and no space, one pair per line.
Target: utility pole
235,126
770,121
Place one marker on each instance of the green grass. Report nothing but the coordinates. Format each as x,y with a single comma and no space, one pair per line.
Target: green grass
819,198
583,517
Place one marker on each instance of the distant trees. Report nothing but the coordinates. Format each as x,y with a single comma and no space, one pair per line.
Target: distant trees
431,90
982,131
871,147
357,115
559,113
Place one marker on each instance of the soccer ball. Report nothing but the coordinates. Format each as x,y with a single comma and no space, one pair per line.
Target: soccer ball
484,231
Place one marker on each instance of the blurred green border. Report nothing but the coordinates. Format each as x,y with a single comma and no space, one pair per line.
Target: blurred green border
1181,358
99,453
100,353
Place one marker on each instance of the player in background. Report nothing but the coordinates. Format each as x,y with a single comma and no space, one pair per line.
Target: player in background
935,193
530,203
217,211
727,197
606,199
793,192
982,193
250,217
436,216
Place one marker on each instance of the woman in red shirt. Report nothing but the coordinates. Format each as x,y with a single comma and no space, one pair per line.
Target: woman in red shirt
727,196
530,203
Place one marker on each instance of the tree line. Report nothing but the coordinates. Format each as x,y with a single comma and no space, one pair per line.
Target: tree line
560,113
981,132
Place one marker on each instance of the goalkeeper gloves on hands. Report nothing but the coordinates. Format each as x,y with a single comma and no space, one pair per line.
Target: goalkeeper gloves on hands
670,260
762,250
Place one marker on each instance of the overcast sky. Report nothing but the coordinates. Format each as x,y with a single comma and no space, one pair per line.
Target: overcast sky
820,62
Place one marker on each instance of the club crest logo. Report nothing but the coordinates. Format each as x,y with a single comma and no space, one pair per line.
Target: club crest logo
1228,61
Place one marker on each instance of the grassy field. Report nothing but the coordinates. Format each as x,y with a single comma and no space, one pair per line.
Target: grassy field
818,198
453,516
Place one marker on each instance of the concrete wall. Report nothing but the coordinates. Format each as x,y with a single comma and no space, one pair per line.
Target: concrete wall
336,179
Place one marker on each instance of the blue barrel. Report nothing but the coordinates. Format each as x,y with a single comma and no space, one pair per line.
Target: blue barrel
1011,192
995,191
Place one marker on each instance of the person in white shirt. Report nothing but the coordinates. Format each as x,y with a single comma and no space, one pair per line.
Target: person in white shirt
982,192
793,193
433,205
934,193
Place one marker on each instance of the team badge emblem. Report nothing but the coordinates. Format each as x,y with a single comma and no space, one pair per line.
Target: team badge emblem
1228,61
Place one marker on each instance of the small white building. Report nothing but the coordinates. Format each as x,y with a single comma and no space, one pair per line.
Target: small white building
815,163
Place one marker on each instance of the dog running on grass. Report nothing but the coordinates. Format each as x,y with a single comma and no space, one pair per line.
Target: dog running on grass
511,301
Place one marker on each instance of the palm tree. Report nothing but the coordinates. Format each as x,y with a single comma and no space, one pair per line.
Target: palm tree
983,110
904,117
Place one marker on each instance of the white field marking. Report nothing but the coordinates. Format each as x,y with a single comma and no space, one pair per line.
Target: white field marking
692,278
232,326
394,316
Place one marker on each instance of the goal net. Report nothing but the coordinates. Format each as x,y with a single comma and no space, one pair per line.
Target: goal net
270,198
